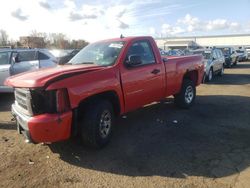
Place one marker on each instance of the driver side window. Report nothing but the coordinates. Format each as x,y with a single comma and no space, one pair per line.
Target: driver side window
144,50
4,58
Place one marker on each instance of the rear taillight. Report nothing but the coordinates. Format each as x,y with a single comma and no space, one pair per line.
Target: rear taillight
62,101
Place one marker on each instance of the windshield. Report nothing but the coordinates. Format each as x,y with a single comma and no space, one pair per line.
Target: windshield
239,51
226,51
205,54
101,53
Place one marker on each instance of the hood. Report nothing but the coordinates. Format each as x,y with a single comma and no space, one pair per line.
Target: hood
41,77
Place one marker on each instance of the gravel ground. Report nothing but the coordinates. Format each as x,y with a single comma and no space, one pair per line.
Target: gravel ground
157,146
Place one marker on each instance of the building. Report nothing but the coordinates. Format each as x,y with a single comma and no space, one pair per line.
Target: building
32,42
205,41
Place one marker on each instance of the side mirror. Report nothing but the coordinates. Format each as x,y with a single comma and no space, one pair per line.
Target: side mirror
15,59
134,60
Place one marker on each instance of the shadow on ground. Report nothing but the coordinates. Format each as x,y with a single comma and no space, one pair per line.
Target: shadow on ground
211,139
231,79
8,125
6,99
242,65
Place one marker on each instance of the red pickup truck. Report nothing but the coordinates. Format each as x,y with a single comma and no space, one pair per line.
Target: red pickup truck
104,80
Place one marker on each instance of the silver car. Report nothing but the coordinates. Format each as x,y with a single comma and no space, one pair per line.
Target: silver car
242,53
214,62
15,61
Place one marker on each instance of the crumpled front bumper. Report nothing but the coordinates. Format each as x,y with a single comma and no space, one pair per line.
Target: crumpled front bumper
44,127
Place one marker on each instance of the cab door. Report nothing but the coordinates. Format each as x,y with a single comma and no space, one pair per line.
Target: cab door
25,60
4,66
144,83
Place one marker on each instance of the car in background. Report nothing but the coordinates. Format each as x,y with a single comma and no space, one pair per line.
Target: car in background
15,61
231,56
242,53
163,52
214,62
64,56
175,52
248,51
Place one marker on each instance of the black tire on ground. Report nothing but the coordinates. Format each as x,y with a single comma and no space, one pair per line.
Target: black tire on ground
221,71
210,75
97,123
186,97
236,61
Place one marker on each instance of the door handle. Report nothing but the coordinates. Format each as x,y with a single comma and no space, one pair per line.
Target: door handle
155,71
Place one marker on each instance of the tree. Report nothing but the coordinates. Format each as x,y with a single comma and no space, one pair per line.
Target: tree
3,38
78,44
59,40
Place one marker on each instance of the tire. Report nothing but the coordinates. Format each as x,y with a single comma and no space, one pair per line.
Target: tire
229,65
95,132
221,73
236,61
186,97
210,75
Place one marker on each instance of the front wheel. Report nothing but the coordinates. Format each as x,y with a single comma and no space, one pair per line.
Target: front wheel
97,123
186,97
210,75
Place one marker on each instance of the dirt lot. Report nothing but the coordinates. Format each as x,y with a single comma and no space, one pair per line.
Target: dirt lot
209,146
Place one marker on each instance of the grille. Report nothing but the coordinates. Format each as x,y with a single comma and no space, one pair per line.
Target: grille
23,100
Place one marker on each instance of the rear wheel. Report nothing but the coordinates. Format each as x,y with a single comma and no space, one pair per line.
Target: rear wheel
186,97
97,123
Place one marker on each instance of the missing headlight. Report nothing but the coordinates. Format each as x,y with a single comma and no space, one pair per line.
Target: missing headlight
43,101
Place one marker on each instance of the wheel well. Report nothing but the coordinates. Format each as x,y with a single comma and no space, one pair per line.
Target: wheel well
191,75
110,96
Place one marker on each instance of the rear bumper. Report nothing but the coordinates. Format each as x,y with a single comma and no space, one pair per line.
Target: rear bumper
44,127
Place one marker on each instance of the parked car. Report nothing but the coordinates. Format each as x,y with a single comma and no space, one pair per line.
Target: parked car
15,61
65,59
214,62
64,56
175,52
163,52
231,56
104,80
242,54
248,51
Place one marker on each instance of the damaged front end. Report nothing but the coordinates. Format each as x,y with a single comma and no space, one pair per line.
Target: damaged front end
42,116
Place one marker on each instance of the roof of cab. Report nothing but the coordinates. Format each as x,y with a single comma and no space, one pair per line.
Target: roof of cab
126,39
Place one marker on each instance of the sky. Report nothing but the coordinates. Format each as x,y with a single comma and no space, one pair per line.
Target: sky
93,20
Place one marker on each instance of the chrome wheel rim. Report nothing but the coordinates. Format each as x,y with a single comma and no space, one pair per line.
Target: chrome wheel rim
105,124
210,75
189,94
